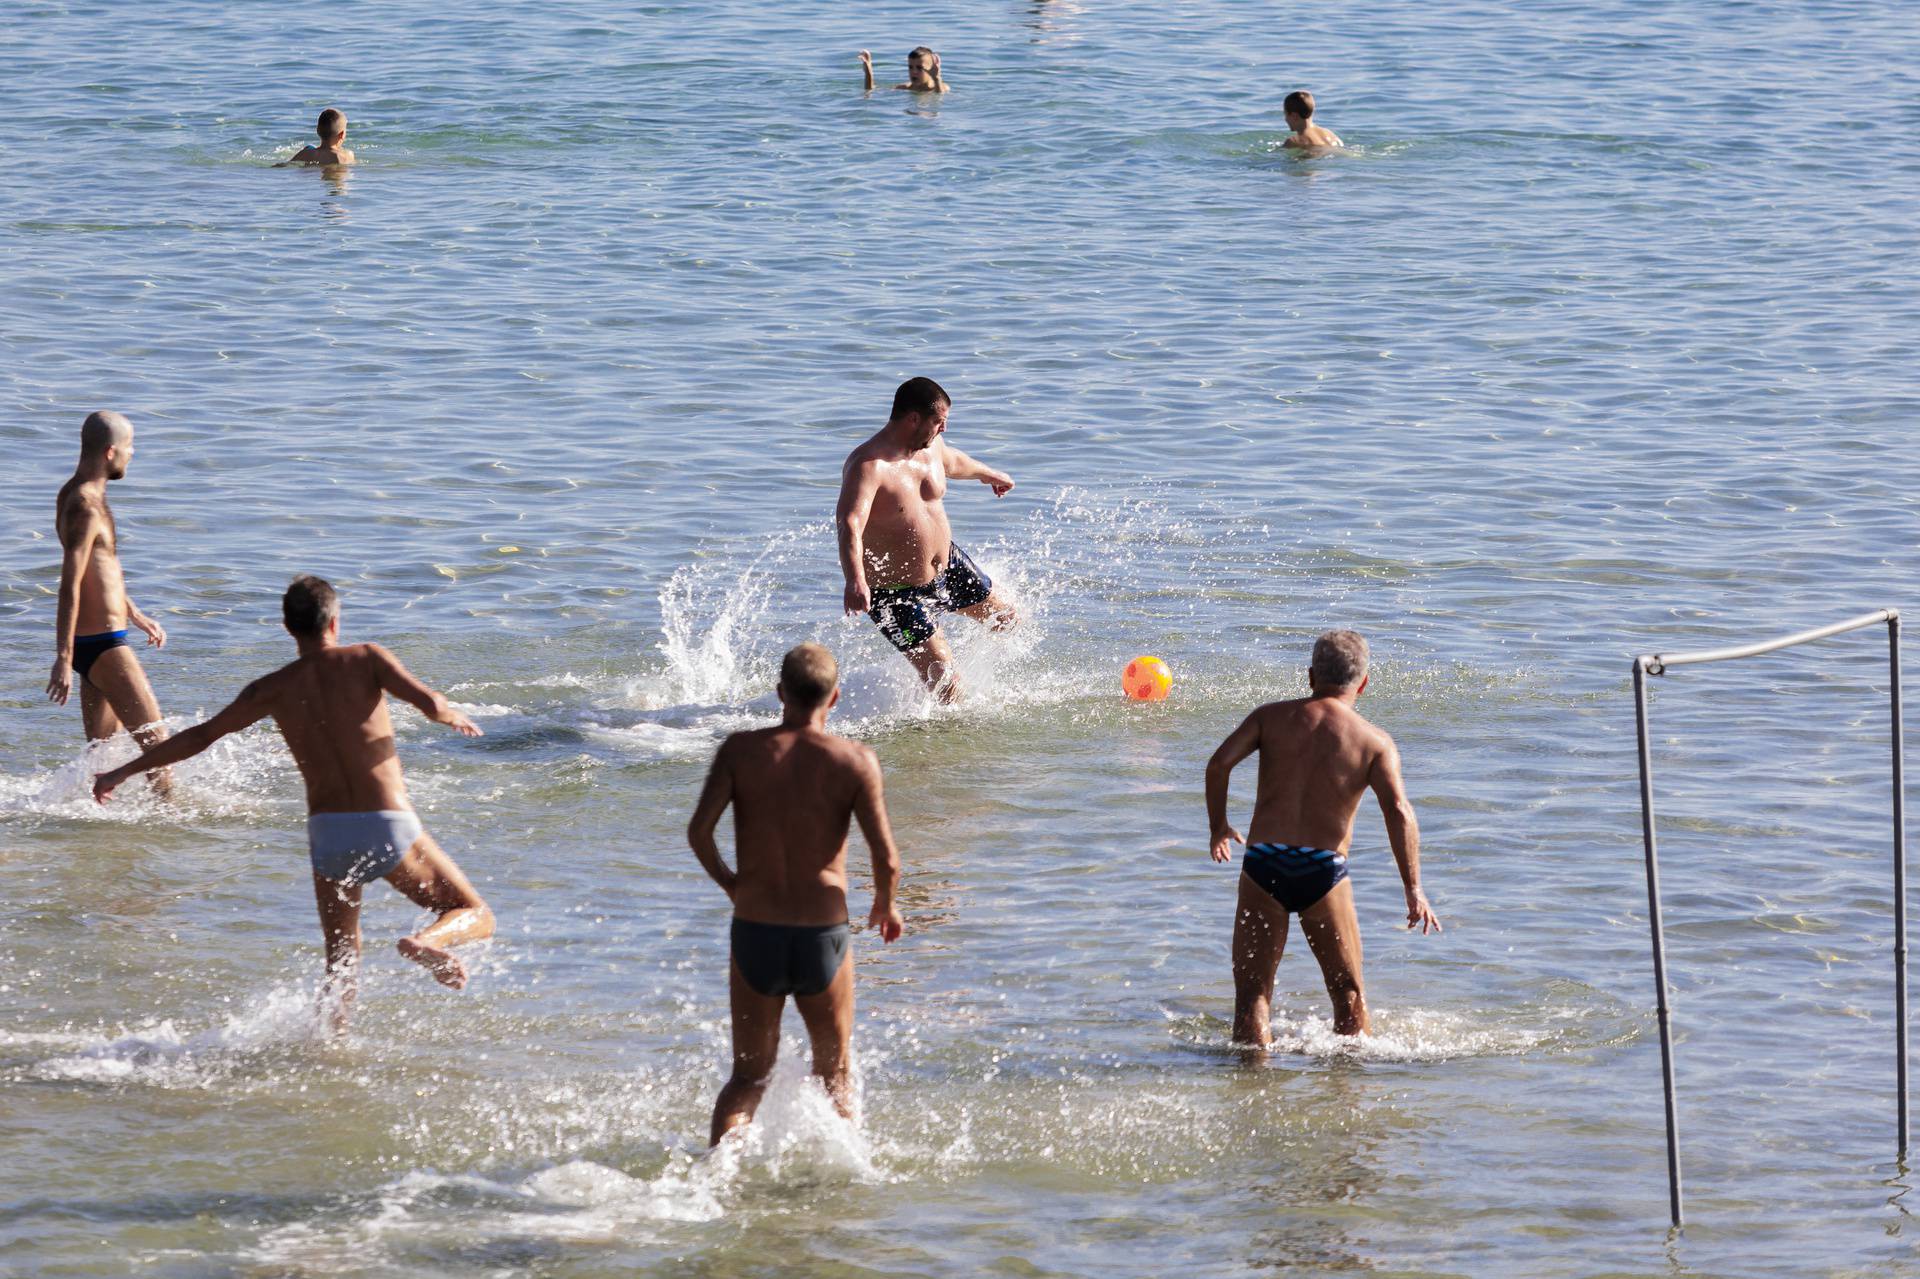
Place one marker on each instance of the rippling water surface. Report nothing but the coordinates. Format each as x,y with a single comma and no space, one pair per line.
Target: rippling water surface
1601,340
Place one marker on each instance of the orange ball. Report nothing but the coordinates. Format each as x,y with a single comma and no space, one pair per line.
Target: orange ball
1146,679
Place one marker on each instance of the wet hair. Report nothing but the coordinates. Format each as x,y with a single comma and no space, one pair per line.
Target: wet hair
921,52
103,430
809,674
332,125
309,604
1339,660
918,395
1300,103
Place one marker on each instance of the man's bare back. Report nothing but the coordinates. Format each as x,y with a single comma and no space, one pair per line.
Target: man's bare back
331,707
794,790
1318,756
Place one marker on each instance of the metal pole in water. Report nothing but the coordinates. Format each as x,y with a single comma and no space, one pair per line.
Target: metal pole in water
1660,946
1899,879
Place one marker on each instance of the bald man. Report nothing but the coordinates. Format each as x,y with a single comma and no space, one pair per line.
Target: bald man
90,628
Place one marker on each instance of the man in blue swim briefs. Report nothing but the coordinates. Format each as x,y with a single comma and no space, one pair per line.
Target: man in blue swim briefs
897,553
1317,757
331,707
95,611
794,788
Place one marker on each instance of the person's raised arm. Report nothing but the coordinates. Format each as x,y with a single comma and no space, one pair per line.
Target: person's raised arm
939,81
866,68
870,807
400,681
959,466
1403,832
1241,742
857,487
76,552
714,798
253,704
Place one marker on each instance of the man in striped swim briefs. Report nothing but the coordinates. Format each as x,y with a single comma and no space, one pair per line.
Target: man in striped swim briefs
1317,757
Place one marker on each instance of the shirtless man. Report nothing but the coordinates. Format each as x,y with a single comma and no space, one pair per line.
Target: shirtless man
897,552
793,789
331,706
90,626
923,71
1316,757
1307,136
332,128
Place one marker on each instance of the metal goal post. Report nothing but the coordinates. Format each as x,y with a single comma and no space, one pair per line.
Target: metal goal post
1659,664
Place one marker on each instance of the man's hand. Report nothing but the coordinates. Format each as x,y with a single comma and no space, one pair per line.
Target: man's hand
886,921
999,481
857,599
60,683
458,722
866,59
1419,914
156,635
1221,839
104,784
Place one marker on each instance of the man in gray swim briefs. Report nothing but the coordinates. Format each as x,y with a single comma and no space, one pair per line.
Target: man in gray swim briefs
1317,757
794,788
331,707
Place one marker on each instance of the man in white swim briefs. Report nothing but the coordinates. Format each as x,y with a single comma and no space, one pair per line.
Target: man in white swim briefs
331,707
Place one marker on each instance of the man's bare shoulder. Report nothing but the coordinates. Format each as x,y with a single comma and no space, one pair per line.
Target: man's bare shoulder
77,511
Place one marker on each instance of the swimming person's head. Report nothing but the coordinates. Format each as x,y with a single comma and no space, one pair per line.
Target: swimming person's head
332,128
923,68
1298,107
1339,663
921,404
809,680
310,608
107,437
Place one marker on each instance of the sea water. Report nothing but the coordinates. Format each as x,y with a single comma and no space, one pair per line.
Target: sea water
1599,340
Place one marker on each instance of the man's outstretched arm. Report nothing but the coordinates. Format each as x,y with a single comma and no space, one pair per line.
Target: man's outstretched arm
714,798
866,68
1241,742
959,466
857,488
253,704
1403,832
870,807
400,681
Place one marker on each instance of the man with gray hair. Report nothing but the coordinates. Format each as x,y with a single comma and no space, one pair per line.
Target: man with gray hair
94,609
1317,756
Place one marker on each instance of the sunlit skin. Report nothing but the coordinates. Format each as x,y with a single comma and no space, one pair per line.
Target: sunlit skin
923,73
331,707
93,598
1318,756
1308,136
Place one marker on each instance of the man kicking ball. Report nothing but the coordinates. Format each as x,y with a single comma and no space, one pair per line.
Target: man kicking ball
331,706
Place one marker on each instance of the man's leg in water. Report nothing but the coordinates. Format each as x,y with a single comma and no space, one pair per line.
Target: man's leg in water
117,676
430,878
934,661
756,1041
829,1019
1259,937
340,926
97,713
996,611
1333,931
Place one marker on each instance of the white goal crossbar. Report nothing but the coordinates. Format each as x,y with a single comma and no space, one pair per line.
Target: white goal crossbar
1659,664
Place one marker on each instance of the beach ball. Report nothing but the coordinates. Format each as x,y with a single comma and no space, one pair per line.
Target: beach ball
1146,679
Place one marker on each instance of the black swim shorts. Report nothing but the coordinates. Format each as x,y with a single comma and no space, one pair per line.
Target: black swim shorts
789,959
909,615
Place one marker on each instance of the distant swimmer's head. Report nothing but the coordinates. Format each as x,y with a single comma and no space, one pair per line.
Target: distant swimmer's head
1339,663
920,405
809,678
1298,107
332,128
310,608
107,436
923,68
